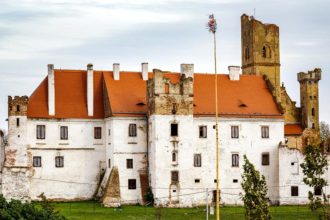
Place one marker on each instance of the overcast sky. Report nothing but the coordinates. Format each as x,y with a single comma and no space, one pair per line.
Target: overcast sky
164,33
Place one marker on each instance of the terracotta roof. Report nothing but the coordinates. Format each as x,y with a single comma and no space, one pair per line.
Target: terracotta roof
293,129
248,97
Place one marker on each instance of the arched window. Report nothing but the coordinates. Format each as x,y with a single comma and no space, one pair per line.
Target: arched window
247,53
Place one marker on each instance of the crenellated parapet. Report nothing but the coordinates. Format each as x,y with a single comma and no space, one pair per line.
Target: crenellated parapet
17,106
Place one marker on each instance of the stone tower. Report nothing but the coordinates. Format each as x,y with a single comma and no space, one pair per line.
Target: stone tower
170,120
17,158
261,52
309,98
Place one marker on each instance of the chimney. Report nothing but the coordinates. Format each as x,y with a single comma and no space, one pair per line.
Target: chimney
90,90
187,70
51,90
116,71
234,72
144,71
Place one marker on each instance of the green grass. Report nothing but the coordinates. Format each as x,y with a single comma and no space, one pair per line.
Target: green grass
94,211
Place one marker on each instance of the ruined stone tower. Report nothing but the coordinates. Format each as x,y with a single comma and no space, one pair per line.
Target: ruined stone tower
261,51
16,165
170,120
309,98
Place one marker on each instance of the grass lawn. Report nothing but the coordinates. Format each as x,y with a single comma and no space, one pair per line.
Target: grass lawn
94,211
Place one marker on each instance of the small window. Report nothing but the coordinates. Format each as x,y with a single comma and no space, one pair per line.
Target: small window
17,122
215,181
132,184
17,108
64,132
109,132
235,160
132,130
318,191
197,180
97,133
202,132
174,130
264,52
175,176
59,161
234,132
235,180
37,161
265,159
313,126
41,131
313,112
197,160
109,163
174,156
264,132
247,54
129,163
294,191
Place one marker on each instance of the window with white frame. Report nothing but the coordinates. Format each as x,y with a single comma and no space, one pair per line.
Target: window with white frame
132,130
197,160
264,132
234,131
36,161
234,160
202,131
64,133
59,161
97,133
41,131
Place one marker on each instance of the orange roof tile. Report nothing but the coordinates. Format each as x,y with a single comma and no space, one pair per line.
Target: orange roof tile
293,129
248,97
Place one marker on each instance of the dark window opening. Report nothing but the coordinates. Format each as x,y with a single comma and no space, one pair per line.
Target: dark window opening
132,130
174,108
132,184
36,161
264,52
59,161
129,163
294,191
64,132
265,159
202,132
234,160
214,197
17,108
197,180
313,112
17,122
41,131
197,160
175,176
234,132
174,130
174,157
247,53
97,133
313,126
235,180
318,191
109,163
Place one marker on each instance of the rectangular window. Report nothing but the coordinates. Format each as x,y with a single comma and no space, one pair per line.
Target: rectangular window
235,160
175,176
174,156
37,161
59,161
64,132
174,130
132,184
202,132
318,191
41,131
97,133
264,132
197,180
234,132
132,130
109,163
17,122
294,191
109,132
129,163
265,159
197,160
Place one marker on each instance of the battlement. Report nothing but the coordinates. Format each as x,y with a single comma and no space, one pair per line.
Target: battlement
313,75
250,19
17,106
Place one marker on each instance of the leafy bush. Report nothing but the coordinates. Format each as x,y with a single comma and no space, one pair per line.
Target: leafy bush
16,210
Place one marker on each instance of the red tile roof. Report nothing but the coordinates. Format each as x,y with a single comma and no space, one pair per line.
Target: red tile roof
293,129
248,97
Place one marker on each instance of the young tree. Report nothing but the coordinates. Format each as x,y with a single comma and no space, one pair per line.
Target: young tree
255,191
314,166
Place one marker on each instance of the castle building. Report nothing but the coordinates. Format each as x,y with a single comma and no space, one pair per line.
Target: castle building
87,134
